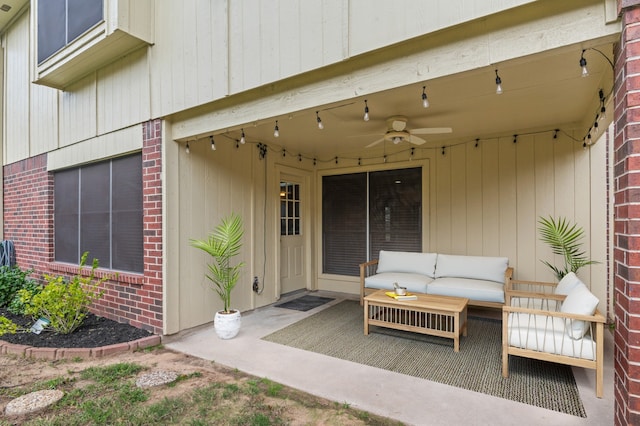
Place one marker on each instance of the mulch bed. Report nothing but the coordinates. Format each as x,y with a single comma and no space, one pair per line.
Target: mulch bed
94,332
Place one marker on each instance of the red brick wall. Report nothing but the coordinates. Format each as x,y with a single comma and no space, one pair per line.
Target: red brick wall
626,189
135,299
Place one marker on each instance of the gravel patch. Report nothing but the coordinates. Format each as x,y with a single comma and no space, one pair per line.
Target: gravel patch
156,378
33,401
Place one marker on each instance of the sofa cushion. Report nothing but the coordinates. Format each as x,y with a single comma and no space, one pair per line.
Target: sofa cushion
415,283
567,283
579,301
478,290
403,261
473,267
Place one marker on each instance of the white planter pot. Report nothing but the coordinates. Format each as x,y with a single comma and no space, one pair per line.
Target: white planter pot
226,325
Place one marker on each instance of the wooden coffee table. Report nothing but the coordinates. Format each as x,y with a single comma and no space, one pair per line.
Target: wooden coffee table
442,316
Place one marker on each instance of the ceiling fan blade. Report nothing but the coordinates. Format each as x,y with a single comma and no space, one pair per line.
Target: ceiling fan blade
431,130
416,140
374,143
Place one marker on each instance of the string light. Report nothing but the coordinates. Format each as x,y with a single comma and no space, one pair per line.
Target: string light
583,64
442,149
336,160
384,159
284,152
515,138
555,133
213,144
425,101
242,139
186,148
320,125
477,141
359,161
498,84
366,111
411,155
276,130
300,157
314,162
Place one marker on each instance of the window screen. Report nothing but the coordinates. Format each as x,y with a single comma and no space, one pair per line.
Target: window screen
62,21
98,208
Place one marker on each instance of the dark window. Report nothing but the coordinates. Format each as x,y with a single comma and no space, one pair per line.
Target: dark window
62,21
98,208
354,231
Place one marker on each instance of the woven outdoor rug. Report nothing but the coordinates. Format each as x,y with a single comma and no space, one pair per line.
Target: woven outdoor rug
338,332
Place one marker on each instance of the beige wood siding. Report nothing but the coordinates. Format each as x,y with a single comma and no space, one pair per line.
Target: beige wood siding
487,201
17,88
122,93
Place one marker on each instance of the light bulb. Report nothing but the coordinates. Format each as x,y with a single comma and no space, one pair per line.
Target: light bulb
242,139
320,125
425,101
583,65
366,111
498,84
213,144
186,148
276,130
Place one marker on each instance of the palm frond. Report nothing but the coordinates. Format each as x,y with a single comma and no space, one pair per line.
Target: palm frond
565,240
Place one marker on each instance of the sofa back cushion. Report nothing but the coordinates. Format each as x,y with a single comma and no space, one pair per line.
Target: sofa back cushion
473,267
403,261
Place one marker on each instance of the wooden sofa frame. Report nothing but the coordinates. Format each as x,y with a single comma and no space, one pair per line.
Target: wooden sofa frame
596,319
368,268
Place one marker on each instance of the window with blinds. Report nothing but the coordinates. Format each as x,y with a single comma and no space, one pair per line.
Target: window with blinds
98,208
354,230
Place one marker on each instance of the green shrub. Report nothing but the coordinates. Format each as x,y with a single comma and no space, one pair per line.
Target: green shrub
12,279
64,304
17,306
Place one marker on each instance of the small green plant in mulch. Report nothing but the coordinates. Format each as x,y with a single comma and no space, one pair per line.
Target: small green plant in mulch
65,304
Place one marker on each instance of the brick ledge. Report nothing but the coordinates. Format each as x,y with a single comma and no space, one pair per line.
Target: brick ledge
52,354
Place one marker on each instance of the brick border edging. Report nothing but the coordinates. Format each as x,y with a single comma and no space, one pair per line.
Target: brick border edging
53,354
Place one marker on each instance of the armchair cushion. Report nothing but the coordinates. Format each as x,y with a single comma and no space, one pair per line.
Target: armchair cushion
402,261
579,301
567,283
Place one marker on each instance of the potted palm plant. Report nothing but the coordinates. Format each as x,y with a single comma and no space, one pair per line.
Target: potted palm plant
564,239
223,243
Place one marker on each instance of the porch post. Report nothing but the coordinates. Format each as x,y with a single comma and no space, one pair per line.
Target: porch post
626,187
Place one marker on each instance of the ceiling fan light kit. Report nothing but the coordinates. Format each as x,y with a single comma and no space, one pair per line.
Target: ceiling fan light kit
397,132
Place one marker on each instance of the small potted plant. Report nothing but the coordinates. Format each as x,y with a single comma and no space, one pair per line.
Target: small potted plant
223,243
565,240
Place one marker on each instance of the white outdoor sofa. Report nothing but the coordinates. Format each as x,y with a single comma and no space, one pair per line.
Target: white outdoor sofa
481,279
556,323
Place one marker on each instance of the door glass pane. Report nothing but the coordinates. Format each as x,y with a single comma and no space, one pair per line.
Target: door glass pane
289,208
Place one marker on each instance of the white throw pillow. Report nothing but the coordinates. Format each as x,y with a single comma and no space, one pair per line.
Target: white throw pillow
472,267
579,301
567,283
410,262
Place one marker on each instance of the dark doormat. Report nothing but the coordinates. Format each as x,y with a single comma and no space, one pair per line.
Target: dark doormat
305,303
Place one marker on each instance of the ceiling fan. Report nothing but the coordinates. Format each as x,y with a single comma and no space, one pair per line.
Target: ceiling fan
397,132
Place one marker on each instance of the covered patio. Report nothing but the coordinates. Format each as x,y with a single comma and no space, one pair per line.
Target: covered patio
405,398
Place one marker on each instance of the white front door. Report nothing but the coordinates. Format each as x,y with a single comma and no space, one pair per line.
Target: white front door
292,239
